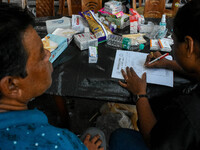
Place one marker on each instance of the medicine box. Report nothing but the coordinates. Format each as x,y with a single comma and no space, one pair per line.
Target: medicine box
164,45
154,44
62,45
93,54
84,40
133,24
78,23
113,7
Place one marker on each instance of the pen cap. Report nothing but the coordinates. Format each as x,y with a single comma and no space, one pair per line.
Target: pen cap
141,46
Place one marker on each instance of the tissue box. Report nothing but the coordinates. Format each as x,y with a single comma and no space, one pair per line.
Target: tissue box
67,33
63,22
62,45
93,54
49,44
84,40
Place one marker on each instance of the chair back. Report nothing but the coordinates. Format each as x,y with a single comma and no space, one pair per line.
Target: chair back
134,3
8,1
65,10
154,8
91,5
45,8
175,6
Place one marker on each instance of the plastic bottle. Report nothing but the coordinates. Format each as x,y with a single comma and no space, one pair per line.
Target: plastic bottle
163,22
112,26
162,28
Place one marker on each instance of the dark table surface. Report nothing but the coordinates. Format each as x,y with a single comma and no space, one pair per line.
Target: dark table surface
73,76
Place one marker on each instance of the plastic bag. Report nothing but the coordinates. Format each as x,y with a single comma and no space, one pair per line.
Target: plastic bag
100,30
128,113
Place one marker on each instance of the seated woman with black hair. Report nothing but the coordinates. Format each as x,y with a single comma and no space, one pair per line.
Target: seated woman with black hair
178,127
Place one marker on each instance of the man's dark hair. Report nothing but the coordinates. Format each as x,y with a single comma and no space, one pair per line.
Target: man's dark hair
13,57
187,21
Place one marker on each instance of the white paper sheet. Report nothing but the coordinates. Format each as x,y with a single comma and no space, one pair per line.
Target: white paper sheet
136,60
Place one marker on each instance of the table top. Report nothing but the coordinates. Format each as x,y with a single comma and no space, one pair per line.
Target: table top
73,76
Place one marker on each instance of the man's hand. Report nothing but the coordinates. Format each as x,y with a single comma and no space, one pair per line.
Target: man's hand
163,63
132,82
94,143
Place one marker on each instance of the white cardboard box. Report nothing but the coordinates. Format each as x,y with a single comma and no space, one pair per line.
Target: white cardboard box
164,45
78,23
63,22
84,40
93,54
154,44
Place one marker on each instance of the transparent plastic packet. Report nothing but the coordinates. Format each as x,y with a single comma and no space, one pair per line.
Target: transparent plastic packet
118,41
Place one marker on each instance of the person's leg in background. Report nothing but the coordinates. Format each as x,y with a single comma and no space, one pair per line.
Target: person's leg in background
126,139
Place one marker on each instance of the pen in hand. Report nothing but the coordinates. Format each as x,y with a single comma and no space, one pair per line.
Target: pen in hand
160,57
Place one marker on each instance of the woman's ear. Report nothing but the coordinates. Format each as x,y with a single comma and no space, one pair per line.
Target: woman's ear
9,87
189,45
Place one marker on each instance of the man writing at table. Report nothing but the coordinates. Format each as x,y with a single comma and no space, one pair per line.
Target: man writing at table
178,127
25,72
